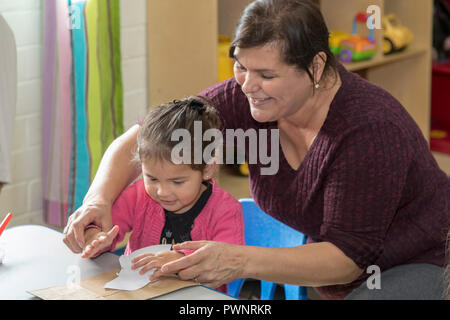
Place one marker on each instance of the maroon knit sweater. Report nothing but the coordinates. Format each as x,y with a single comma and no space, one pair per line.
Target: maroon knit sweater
368,184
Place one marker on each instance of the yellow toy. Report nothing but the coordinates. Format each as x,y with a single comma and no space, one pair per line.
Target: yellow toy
396,36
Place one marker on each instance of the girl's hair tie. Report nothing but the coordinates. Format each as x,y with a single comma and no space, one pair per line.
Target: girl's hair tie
197,106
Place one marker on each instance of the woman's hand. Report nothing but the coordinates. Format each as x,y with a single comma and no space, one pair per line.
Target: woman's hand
96,241
89,213
212,264
149,261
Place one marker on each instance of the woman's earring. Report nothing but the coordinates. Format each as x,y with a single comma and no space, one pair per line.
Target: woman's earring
317,85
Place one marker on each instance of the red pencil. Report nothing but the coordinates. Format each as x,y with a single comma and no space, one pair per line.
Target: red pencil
5,222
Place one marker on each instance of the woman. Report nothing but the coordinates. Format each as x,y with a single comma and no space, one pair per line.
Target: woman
355,173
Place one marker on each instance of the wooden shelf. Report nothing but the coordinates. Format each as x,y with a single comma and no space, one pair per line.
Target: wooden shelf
182,50
383,60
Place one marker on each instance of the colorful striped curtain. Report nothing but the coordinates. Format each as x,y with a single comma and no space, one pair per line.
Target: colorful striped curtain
82,98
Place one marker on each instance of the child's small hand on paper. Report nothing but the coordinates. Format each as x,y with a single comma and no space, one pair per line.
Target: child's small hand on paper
149,261
97,240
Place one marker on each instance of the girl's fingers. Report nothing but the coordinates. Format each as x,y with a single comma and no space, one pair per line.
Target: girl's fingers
146,268
113,232
94,243
141,262
86,251
89,251
142,256
189,245
147,264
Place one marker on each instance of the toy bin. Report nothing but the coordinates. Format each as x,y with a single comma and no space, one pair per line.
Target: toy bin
440,108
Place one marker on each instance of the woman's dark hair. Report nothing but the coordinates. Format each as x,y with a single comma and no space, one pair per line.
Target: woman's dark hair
298,25
155,136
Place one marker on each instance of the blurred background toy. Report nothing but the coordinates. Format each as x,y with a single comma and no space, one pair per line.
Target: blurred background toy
396,36
335,39
353,47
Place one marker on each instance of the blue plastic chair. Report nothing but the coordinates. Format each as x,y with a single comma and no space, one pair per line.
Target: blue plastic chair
265,231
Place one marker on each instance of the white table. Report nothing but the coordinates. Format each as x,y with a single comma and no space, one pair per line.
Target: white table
37,258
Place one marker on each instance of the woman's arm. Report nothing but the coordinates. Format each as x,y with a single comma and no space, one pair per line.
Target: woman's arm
313,265
115,173
216,263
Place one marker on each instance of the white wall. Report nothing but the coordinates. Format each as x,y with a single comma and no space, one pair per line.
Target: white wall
133,20
23,196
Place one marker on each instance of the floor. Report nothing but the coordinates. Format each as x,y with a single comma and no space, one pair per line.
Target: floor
251,291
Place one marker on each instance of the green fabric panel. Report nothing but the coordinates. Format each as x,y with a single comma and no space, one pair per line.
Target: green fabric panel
94,109
106,74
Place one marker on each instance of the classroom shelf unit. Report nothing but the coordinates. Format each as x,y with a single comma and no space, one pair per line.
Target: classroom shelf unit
406,75
180,31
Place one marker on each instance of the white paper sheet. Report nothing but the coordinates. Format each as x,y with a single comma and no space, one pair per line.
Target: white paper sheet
128,279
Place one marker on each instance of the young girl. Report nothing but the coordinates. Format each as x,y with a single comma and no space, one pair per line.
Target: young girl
173,203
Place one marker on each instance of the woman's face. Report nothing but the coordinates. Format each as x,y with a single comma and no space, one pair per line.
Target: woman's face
274,89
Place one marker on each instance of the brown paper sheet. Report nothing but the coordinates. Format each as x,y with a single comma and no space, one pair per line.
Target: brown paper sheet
93,289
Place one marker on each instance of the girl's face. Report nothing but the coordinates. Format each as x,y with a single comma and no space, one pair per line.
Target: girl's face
175,187
274,89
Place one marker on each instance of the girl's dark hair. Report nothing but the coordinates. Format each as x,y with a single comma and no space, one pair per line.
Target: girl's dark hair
154,138
298,25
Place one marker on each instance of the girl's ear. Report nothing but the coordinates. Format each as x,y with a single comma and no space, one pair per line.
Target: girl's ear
209,170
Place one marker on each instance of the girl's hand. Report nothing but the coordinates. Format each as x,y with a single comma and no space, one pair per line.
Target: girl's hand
149,261
212,264
96,241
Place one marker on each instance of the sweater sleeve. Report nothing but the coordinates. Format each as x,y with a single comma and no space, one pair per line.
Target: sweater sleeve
362,191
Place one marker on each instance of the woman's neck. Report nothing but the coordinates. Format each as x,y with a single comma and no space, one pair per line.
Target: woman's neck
313,113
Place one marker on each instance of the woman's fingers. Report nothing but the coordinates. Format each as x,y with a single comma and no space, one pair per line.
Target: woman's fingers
72,244
69,236
97,213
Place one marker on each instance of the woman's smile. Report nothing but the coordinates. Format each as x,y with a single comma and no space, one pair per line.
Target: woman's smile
257,102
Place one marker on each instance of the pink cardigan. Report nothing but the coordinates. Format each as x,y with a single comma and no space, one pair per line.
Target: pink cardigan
134,210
